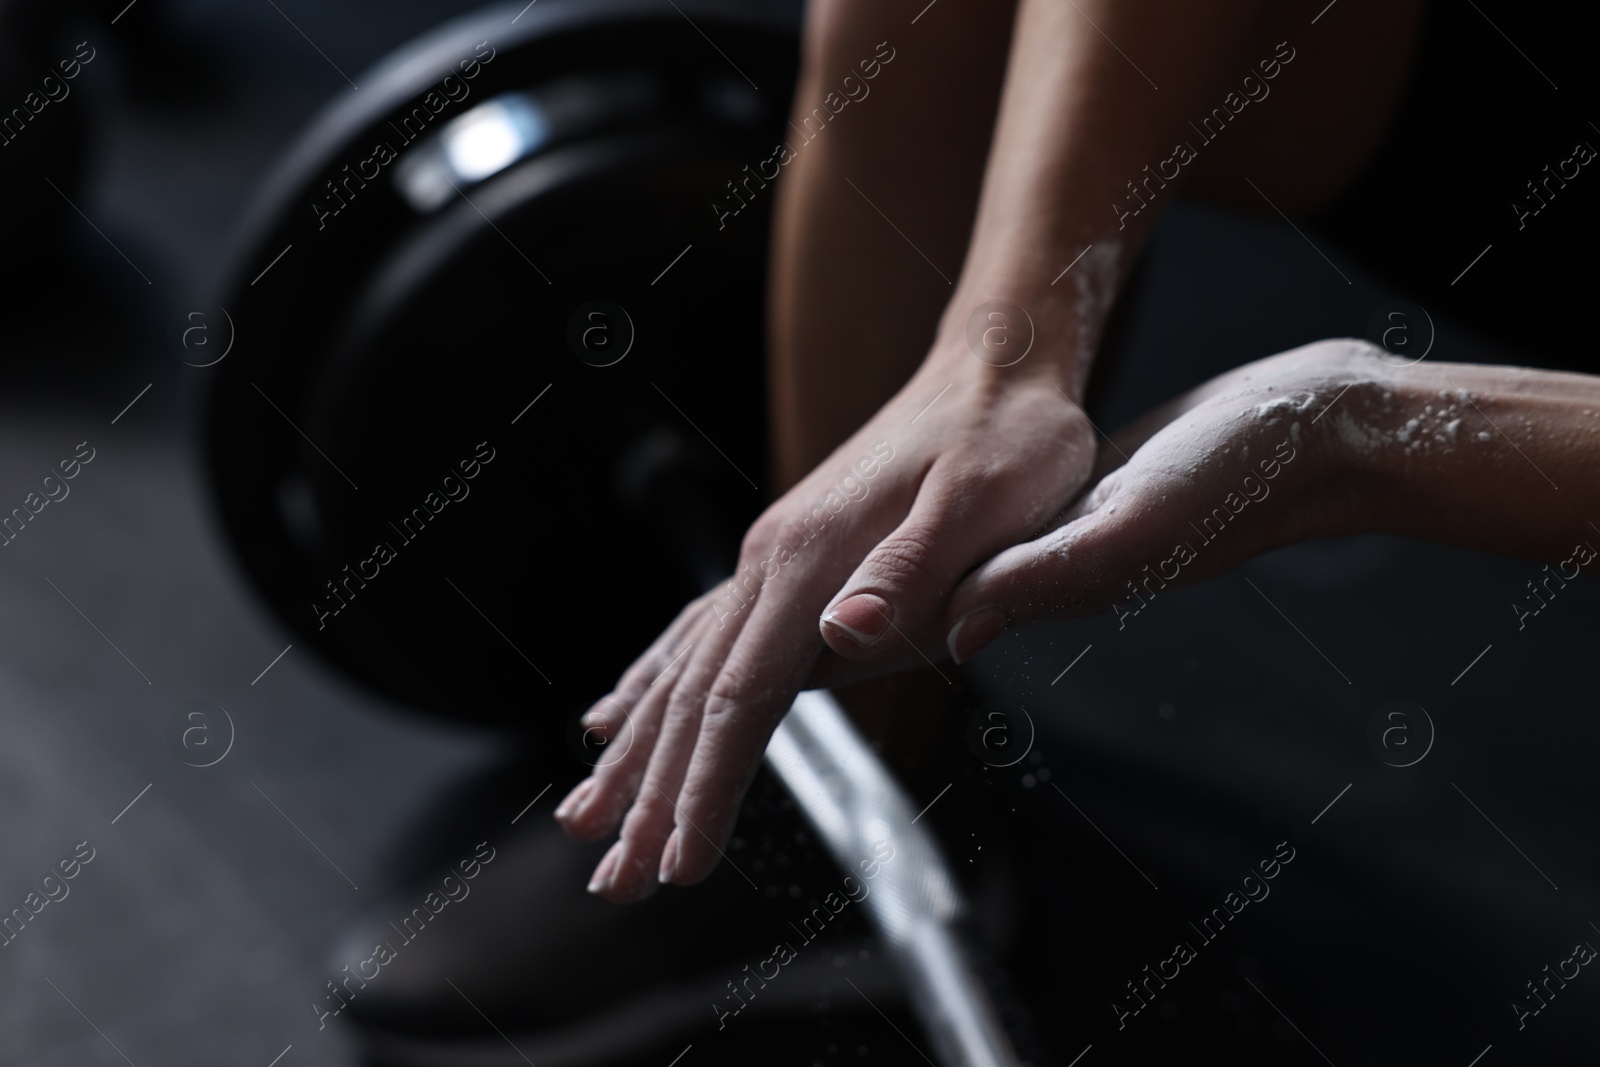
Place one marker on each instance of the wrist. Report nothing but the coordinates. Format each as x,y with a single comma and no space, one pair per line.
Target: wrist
1389,424
1031,325
1010,338
988,371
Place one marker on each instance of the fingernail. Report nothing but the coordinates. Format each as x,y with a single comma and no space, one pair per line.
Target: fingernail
863,618
575,799
606,873
973,631
669,860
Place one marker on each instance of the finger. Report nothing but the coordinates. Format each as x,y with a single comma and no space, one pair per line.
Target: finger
1125,539
1076,569
953,524
610,712
599,803
648,670
763,672
1132,541
616,779
926,647
593,809
655,661
629,871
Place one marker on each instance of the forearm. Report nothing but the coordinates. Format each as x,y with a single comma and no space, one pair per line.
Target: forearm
1496,458
855,294
1088,152
1326,440
861,268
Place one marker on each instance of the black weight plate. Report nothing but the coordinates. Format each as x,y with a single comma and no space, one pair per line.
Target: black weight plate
453,341
403,337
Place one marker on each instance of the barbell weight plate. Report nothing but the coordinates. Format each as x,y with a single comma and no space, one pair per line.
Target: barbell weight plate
377,346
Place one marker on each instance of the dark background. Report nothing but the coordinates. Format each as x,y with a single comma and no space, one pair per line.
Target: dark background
1196,740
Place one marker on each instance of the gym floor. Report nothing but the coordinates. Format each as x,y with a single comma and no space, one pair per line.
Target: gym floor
197,933
1180,750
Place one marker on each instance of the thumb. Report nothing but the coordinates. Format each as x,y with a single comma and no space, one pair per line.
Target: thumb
899,587
1080,568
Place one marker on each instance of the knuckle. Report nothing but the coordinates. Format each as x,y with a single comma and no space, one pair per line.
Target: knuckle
740,689
760,537
634,681
689,618
905,558
640,677
1341,351
686,701
622,777
727,695
1356,349
644,816
757,557
1104,491
640,826
614,709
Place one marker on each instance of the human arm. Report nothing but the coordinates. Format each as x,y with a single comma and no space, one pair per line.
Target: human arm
1325,440
981,449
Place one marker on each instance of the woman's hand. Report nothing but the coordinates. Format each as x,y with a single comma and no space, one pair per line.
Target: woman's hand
966,460
1308,443
1332,438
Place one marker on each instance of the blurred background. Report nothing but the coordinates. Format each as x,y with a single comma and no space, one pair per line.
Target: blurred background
334,774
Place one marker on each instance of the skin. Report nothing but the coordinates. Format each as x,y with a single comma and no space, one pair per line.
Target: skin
1488,482
986,449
